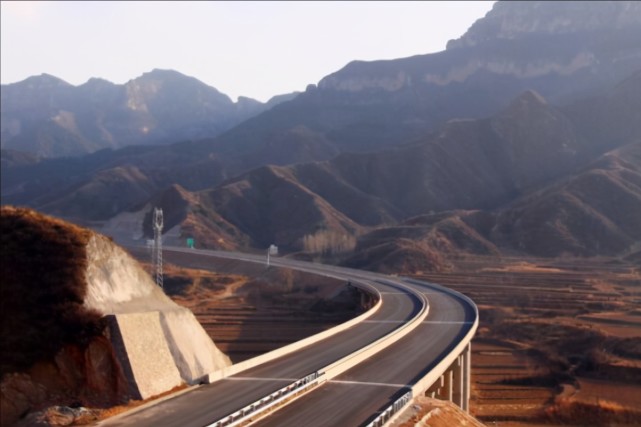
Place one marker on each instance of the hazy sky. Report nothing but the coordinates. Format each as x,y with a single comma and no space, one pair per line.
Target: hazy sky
255,49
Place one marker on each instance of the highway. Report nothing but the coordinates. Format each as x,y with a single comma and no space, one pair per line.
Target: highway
355,396
376,383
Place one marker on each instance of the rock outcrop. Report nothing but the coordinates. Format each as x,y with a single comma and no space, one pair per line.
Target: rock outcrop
128,340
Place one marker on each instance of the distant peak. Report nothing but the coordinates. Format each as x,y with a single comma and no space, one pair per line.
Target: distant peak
513,19
98,81
45,80
525,103
530,97
163,73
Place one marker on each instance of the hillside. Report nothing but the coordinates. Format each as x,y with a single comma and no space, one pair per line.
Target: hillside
516,47
378,143
593,212
83,324
46,116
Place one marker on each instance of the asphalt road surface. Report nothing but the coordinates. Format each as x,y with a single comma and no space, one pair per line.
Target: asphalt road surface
351,399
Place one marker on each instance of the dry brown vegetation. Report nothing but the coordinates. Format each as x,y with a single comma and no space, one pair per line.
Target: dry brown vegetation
248,311
559,342
42,288
328,242
434,413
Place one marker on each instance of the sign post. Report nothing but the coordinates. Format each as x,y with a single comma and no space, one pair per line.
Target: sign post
272,250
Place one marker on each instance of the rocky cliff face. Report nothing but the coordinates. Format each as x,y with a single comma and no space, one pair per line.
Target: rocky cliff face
511,20
121,337
118,286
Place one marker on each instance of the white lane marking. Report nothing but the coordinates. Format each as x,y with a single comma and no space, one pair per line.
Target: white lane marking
447,322
436,322
385,321
260,379
368,383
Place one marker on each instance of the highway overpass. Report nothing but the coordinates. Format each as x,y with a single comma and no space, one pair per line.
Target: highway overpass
416,341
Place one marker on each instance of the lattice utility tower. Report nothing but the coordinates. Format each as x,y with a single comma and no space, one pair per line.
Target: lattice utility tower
157,248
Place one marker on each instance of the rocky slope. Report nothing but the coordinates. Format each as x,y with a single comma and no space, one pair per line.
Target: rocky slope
363,149
593,212
584,49
577,55
46,116
83,324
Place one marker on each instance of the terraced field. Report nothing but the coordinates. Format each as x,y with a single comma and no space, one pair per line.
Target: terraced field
559,341
557,338
250,314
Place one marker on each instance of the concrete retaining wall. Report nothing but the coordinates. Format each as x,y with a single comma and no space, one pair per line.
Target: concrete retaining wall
140,344
282,351
193,351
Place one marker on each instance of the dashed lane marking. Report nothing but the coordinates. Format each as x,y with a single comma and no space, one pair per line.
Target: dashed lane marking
260,379
385,321
447,322
369,384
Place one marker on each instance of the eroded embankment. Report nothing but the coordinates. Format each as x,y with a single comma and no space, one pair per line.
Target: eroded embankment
84,325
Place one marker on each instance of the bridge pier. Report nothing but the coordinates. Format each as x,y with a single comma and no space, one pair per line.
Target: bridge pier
467,376
457,386
454,384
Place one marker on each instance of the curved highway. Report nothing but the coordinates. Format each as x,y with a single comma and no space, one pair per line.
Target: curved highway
355,396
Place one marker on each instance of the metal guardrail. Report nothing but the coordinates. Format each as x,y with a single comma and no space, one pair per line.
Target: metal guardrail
392,409
269,401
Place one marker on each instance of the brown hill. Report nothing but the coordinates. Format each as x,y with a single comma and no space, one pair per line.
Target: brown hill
596,211
107,192
194,215
475,186
79,318
34,248
561,52
422,243
272,207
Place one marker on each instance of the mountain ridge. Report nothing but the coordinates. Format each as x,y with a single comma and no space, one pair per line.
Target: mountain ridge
158,107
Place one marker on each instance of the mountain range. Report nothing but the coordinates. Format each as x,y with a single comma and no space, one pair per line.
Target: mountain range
524,135
51,118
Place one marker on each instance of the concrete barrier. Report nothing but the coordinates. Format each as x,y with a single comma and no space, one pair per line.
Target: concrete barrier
428,380
336,368
298,345
266,403
368,351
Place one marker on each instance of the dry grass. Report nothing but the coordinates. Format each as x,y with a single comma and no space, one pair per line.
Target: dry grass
103,414
603,413
42,288
550,324
250,310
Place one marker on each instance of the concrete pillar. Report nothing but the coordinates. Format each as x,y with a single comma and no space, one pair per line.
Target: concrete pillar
467,377
457,386
444,391
440,388
448,385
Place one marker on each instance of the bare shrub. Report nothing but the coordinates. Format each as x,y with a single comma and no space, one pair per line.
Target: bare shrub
328,242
